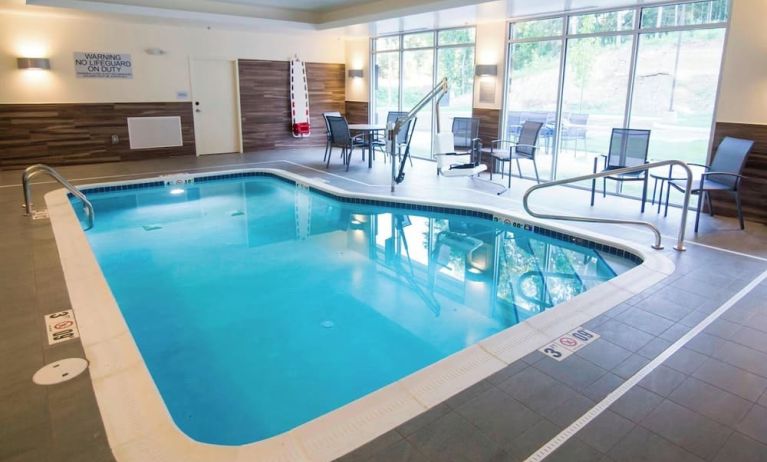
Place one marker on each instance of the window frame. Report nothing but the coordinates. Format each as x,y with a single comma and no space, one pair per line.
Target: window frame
635,32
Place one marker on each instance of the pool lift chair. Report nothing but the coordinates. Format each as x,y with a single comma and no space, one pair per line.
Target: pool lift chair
444,142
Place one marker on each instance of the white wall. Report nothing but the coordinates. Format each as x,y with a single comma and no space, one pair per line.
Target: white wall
155,78
358,57
743,91
491,49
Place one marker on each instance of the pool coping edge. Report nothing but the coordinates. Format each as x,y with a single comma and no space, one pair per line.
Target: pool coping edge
139,426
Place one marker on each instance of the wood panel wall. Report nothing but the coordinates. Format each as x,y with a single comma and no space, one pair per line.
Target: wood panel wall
754,187
357,112
265,102
489,121
67,134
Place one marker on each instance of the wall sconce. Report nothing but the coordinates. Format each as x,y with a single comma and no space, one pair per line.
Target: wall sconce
355,73
33,63
486,70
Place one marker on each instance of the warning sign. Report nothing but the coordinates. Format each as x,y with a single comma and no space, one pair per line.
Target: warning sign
61,326
566,345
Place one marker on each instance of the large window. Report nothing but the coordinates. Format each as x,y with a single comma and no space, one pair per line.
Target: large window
408,66
654,67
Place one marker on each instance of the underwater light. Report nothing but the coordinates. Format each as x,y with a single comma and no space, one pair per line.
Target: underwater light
176,191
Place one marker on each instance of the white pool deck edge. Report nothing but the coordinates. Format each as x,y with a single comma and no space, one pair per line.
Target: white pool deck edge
140,428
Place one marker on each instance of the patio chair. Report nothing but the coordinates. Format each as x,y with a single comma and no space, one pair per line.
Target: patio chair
465,135
724,174
575,130
340,137
628,148
525,147
402,137
325,116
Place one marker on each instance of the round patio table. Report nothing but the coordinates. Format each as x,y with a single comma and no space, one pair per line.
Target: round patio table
368,130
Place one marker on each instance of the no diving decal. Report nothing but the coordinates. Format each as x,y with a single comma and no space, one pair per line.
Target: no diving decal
566,345
61,326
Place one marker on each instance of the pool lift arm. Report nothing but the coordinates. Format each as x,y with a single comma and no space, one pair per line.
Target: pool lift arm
444,142
394,128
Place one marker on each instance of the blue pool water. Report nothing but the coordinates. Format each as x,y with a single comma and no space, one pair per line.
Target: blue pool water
258,305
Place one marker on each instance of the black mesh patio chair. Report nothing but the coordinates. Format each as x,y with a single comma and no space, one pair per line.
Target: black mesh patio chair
325,116
724,174
628,148
404,137
380,141
466,135
340,137
525,147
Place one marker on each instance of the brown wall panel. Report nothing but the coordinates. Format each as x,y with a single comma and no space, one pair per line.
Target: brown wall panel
489,121
265,102
754,187
357,112
66,134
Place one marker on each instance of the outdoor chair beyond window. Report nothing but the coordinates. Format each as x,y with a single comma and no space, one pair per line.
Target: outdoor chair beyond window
524,148
724,174
328,138
340,137
628,148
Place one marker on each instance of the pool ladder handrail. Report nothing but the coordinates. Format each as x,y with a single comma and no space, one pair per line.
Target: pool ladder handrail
34,170
593,176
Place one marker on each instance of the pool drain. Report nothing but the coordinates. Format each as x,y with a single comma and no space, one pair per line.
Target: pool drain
60,371
327,324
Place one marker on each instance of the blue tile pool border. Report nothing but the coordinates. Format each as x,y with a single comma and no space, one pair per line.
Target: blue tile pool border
552,234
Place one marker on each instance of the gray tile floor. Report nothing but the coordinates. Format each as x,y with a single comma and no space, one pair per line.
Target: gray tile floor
708,401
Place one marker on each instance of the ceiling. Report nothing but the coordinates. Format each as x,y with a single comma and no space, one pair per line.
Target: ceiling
347,17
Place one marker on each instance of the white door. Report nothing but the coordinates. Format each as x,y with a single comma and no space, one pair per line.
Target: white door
215,105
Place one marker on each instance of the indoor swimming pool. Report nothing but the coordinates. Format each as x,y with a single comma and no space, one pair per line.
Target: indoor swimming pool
258,304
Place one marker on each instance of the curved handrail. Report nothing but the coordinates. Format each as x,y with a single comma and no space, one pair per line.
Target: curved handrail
34,170
688,188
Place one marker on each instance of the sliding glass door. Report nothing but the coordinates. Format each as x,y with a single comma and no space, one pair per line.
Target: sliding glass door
408,66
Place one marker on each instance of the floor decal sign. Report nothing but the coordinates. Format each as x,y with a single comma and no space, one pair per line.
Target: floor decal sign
61,326
566,345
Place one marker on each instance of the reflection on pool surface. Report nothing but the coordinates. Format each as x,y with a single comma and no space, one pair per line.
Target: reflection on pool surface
258,305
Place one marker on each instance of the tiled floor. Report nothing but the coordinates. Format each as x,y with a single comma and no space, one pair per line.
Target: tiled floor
708,401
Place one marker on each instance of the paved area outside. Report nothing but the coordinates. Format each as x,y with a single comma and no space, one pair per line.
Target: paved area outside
707,402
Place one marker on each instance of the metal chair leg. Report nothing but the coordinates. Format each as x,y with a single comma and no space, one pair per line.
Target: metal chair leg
700,206
519,168
535,167
644,191
594,183
740,210
710,204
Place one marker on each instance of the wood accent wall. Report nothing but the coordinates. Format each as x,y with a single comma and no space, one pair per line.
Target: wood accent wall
265,102
67,134
357,112
754,187
489,121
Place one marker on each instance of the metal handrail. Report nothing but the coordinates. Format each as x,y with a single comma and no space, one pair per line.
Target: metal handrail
619,171
34,170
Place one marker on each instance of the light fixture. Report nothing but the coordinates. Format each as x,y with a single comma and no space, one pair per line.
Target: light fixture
177,191
486,70
355,73
33,63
